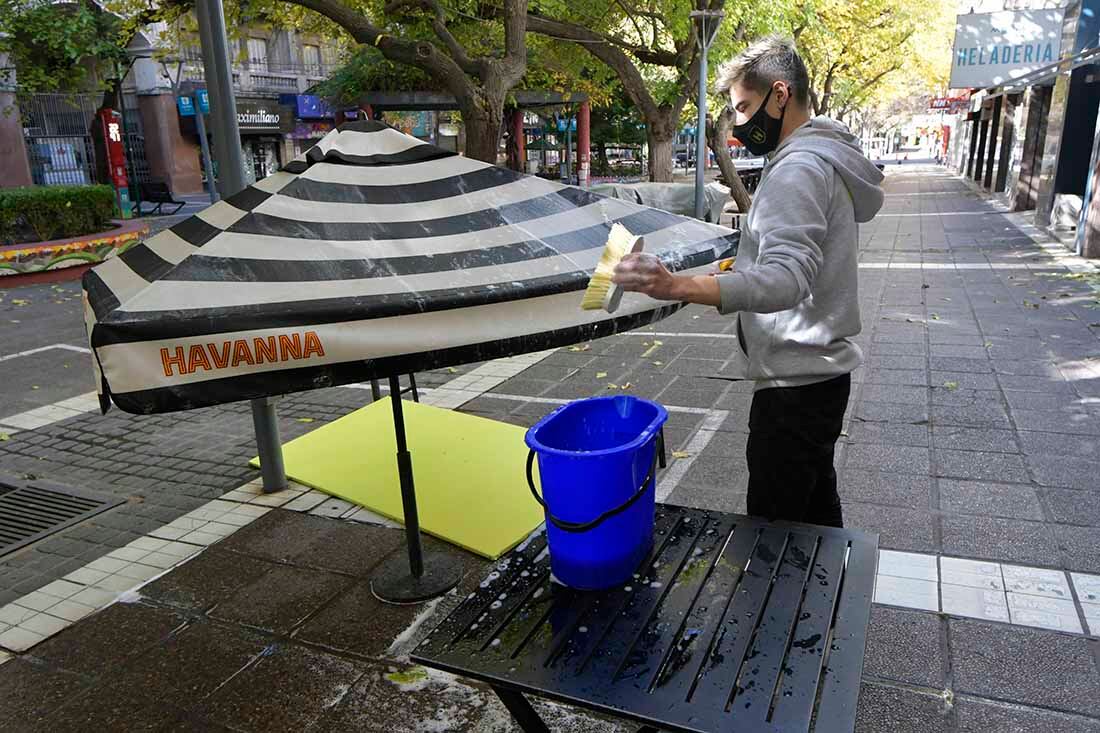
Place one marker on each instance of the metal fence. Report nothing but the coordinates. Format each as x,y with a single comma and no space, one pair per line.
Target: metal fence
57,129
59,143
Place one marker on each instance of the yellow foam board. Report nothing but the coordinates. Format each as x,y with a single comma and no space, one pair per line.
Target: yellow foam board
469,472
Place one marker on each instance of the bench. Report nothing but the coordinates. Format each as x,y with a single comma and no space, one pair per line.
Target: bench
732,623
157,192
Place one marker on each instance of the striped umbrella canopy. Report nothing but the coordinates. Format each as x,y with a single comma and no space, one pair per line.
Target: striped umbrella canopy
371,255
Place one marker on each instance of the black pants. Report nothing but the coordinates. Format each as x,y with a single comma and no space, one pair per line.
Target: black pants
792,435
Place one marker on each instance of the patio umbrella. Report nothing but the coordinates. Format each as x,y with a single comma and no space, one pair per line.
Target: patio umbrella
373,254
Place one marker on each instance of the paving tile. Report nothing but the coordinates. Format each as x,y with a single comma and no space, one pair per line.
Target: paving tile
1036,581
37,601
94,597
881,487
899,710
32,690
907,565
985,716
117,584
982,415
13,615
1070,472
332,508
907,592
1081,546
19,639
988,605
208,579
889,433
981,466
195,661
383,702
971,573
1087,587
960,438
993,538
898,528
70,610
1044,613
1074,422
281,598
44,624
902,459
319,682
904,646
1092,617
61,589
310,541
1015,501
1025,665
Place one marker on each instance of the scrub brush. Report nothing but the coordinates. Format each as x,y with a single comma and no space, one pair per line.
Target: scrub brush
602,292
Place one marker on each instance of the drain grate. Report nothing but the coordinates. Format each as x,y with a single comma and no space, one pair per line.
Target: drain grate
31,510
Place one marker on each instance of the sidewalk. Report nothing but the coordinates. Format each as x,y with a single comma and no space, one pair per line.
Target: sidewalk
971,446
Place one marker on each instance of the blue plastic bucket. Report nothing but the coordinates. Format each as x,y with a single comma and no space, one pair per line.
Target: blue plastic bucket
597,460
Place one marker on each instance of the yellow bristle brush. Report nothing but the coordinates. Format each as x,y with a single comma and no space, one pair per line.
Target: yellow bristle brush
602,292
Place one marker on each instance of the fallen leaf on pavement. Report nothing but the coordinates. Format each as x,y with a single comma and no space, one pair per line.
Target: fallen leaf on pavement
658,363
452,370
19,301
307,419
4,436
34,386
611,385
601,375
952,386
935,317
584,347
680,454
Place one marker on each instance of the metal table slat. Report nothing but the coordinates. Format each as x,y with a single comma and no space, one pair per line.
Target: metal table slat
844,660
760,672
794,704
726,611
571,606
682,668
722,665
644,660
578,651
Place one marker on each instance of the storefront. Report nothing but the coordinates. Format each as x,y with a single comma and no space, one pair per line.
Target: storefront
313,119
263,123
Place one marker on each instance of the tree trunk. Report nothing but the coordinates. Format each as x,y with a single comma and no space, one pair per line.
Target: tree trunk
718,133
660,132
483,120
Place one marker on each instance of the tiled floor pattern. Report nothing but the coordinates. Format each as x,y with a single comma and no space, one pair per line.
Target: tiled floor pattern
991,591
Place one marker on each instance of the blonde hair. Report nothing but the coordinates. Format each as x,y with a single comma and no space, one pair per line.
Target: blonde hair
765,62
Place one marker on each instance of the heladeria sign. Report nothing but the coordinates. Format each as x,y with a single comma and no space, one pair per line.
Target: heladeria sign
994,48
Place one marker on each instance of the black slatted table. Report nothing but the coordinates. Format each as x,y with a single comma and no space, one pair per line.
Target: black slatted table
731,624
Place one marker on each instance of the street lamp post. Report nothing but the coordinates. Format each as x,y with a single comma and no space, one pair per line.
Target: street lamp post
227,150
706,22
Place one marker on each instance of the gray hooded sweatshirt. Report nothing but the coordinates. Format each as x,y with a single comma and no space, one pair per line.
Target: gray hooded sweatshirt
794,285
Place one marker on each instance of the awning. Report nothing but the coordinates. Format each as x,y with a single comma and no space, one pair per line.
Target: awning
373,254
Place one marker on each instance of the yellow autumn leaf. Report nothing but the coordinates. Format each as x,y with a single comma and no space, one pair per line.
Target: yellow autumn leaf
4,436
601,375
307,419
583,347
680,454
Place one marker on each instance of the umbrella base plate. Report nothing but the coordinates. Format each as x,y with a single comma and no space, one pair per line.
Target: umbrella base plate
393,581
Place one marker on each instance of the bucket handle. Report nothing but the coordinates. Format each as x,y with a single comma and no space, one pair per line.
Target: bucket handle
585,526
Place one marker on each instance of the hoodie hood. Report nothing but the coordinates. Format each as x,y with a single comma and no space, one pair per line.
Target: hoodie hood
831,141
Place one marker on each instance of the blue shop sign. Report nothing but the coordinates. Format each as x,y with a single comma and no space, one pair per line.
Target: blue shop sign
186,106
203,99
307,106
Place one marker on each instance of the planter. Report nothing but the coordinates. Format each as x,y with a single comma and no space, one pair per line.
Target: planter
89,249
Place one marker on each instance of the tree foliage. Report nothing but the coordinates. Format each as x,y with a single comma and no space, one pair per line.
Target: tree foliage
60,47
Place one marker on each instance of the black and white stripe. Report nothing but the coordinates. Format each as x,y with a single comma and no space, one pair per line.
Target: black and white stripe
393,254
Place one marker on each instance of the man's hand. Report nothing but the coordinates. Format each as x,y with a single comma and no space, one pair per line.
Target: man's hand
644,273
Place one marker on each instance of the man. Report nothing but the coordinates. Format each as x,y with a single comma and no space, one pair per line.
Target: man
793,288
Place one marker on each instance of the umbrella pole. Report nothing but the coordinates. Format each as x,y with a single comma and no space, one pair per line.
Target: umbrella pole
268,444
426,576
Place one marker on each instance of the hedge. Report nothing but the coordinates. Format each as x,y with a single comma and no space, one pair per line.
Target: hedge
40,213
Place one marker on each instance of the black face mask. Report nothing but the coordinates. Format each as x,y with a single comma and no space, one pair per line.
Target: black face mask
761,133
